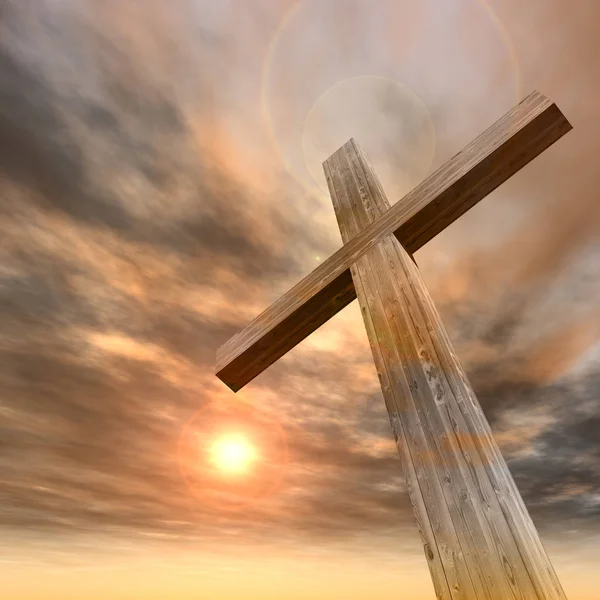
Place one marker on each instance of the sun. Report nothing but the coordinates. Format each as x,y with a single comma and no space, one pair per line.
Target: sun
233,453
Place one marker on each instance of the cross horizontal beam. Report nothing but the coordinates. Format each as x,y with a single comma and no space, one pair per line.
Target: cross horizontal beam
488,161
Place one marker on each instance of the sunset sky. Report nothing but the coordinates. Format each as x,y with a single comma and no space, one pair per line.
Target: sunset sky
160,185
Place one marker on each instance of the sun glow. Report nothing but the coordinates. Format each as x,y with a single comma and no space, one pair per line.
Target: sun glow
233,453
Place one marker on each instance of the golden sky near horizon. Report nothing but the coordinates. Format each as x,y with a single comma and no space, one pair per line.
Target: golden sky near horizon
160,185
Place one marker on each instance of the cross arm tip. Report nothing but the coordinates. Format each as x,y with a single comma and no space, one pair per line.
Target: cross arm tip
278,329
545,102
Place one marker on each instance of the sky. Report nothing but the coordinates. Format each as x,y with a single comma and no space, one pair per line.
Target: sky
160,185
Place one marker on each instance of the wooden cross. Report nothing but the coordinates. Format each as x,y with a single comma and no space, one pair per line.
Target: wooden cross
479,540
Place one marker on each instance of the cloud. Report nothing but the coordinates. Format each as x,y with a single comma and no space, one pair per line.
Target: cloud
145,219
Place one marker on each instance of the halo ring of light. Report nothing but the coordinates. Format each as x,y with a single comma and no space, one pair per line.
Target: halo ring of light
288,17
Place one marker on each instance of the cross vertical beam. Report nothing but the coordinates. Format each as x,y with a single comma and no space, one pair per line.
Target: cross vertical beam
478,537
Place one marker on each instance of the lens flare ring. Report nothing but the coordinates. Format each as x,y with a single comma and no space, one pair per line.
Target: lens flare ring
288,17
429,131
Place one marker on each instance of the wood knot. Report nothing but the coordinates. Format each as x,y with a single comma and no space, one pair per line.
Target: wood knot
428,552
508,570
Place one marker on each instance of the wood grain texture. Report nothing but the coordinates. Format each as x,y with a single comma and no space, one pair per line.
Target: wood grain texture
507,146
478,538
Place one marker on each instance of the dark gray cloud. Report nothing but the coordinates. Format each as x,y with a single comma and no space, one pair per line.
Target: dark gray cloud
38,151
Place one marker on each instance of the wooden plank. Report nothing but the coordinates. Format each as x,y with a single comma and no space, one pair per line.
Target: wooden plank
438,536
503,486
450,457
502,150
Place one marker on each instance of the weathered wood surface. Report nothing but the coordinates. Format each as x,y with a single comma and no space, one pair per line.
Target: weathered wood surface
507,146
478,538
